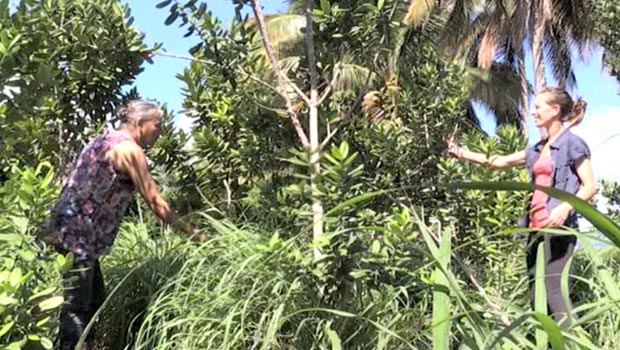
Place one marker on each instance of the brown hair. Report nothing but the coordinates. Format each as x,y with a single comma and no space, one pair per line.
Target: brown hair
571,111
134,111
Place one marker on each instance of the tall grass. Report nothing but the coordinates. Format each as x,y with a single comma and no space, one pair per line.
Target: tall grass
250,289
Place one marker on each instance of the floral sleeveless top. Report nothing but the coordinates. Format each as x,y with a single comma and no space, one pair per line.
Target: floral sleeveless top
86,219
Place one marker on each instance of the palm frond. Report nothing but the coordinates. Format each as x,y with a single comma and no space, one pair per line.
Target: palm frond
515,27
459,31
353,77
574,17
283,30
497,89
558,52
419,12
489,43
289,64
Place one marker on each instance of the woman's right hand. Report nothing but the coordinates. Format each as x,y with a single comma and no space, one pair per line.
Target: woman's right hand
454,149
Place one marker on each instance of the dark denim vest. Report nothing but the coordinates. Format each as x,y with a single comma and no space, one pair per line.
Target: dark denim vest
566,152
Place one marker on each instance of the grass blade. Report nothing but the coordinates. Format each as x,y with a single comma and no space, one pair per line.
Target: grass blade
540,295
604,224
441,296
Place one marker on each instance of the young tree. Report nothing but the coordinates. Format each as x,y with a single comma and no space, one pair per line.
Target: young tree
63,67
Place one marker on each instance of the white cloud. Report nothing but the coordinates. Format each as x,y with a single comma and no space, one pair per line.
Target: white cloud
185,123
601,131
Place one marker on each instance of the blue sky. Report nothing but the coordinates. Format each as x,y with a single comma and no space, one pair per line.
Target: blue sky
158,81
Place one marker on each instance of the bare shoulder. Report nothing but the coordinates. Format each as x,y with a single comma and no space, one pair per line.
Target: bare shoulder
128,147
126,155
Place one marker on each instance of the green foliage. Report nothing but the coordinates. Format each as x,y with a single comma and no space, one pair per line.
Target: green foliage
142,261
246,288
482,217
611,191
607,16
29,193
172,169
63,65
242,135
400,256
29,273
602,265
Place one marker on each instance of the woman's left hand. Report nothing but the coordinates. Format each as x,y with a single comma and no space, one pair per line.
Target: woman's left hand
557,217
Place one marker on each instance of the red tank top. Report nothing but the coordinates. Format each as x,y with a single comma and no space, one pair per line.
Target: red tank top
542,177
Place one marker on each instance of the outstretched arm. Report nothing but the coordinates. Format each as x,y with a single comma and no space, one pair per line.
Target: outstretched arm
493,161
129,158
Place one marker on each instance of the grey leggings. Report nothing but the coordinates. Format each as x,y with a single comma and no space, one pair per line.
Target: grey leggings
558,249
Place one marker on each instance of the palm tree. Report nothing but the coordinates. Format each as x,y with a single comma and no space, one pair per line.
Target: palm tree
484,33
556,27
476,33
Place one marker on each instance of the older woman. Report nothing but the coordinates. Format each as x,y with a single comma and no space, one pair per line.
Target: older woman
86,219
562,161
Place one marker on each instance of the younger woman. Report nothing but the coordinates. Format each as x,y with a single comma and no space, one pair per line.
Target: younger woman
562,161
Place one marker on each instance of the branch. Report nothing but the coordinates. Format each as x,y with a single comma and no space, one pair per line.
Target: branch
295,88
281,80
329,87
240,69
188,58
346,119
260,81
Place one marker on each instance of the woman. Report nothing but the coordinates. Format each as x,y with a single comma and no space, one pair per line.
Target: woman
562,161
92,204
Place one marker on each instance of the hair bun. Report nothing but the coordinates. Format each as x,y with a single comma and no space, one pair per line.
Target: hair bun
578,112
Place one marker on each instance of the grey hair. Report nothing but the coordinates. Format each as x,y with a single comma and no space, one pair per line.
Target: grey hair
134,111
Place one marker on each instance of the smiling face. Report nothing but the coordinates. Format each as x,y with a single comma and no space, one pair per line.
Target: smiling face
545,112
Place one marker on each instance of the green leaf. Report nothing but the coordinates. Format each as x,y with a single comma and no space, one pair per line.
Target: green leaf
201,10
552,330
337,153
51,303
441,296
334,339
118,9
326,7
46,343
11,238
64,262
357,199
540,294
163,4
344,149
17,345
42,293
16,277
375,248
5,328
26,255
43,321
173,16
7,300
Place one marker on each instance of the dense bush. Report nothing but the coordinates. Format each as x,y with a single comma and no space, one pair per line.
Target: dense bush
30,288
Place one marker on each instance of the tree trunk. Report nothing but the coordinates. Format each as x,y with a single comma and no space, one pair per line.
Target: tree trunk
317,204
525,94
538,40
540,7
